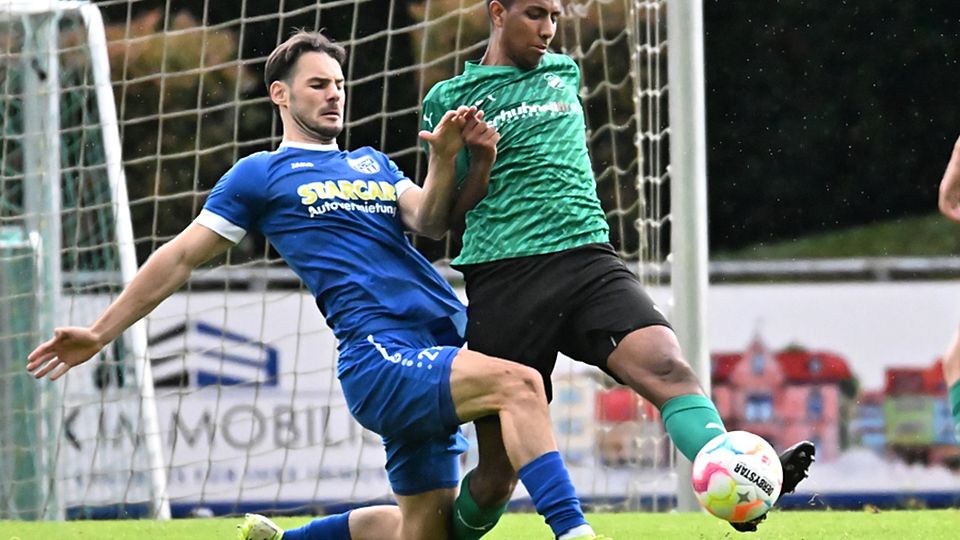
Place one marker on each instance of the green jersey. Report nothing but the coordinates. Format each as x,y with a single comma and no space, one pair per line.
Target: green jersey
542,196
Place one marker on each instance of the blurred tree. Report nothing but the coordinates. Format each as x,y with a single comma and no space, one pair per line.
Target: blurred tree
177,102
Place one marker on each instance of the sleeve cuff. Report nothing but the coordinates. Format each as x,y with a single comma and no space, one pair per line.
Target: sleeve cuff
221,226
403,185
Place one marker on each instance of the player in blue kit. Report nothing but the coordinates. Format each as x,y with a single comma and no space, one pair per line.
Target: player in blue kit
338,219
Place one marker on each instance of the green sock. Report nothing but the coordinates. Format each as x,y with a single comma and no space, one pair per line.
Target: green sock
470,522
955,404
691,420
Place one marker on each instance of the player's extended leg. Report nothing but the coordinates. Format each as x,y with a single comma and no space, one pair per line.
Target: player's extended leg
951,375
481,386
371,522
486,490
423,516
649,361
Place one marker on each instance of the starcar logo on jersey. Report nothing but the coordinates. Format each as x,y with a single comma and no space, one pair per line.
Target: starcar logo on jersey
365,164
348,190
364,196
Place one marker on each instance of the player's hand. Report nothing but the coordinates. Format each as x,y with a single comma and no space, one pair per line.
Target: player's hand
481,138
70,346
446,138
949,200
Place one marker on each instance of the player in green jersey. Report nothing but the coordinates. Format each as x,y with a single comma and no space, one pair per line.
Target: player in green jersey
536,246
949,202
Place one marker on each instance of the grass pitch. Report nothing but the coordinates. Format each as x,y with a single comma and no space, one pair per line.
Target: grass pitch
813,525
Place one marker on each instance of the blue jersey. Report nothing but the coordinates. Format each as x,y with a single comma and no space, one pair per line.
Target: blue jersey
334,218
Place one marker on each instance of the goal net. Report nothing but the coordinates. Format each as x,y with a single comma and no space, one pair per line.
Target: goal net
119,117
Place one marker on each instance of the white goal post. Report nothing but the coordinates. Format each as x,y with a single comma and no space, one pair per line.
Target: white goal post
688,148
119,115
39,27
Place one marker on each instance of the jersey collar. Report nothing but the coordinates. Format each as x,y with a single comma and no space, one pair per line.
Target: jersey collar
332,147
474,66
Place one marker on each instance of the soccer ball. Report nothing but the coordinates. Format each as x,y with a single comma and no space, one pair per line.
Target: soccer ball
737,476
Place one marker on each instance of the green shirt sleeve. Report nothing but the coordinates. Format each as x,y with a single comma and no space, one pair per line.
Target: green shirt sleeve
432,110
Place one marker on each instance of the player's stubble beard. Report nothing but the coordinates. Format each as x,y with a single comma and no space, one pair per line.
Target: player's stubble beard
324,134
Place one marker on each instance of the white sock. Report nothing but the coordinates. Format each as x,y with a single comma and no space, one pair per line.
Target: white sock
580,530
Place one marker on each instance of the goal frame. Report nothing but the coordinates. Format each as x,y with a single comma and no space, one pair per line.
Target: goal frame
688,195
42,201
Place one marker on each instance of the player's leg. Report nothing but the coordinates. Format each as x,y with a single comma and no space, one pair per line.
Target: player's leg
649,361
951,375
513,315
397,385
481,386
485,490
614,325
618,328
370,522
392,389
424,516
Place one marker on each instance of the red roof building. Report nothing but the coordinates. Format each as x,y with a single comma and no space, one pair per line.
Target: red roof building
916,381
784,397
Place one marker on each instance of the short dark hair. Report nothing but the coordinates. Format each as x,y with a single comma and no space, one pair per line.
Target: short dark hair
506,3
285,56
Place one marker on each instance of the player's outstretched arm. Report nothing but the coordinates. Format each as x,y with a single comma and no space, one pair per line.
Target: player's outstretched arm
481,139
950,186
164,272
426,210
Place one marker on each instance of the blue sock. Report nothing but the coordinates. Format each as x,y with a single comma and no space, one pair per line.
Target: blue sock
328,528
554,497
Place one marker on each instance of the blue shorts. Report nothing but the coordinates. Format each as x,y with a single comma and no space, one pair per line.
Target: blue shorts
397,384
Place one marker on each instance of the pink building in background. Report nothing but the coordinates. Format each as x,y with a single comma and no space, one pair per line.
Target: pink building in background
784,397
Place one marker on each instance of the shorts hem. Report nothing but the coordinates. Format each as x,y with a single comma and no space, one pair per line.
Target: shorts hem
448,484
448,409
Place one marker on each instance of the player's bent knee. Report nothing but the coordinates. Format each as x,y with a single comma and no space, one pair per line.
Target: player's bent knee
518,384
655,369
671,369
651,355
530,384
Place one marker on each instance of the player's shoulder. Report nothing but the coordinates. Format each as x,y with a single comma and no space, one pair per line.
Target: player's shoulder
437,91
553,60
558,59
256,157
256,162
365,151
367,159
448,87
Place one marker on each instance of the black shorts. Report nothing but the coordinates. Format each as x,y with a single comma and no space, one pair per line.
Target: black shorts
580,302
